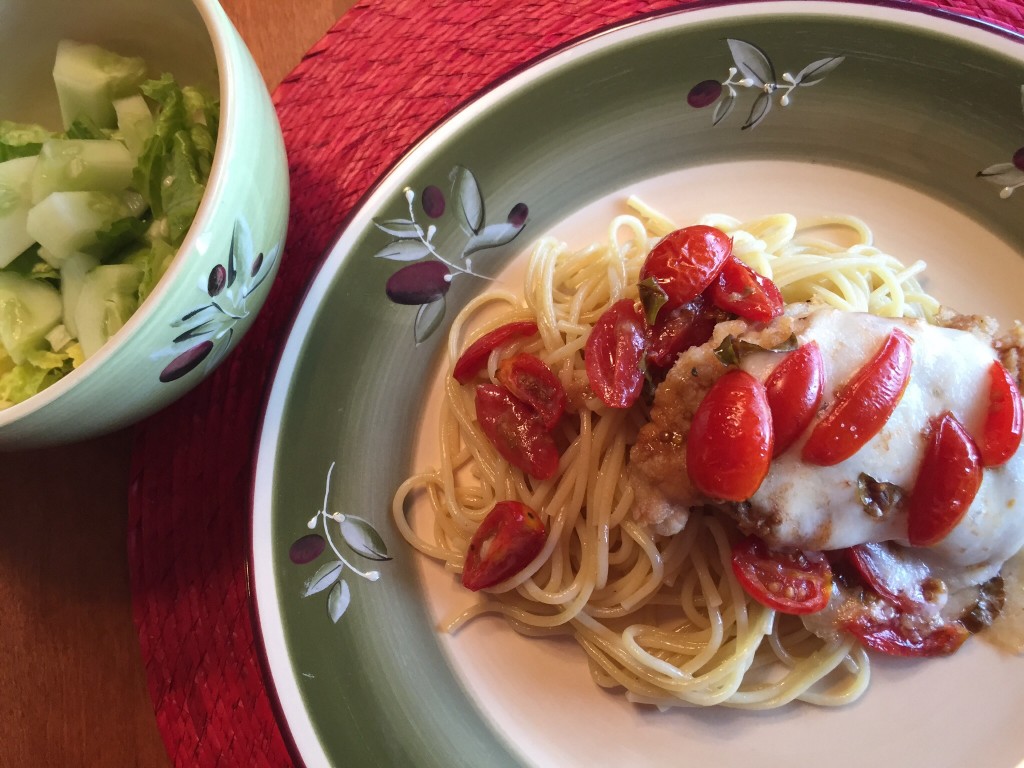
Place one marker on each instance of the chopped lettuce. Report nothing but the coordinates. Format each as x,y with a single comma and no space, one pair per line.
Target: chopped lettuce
154,259
175,165
21,139
39,370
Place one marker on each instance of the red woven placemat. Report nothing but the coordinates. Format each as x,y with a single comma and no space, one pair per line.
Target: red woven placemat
382,76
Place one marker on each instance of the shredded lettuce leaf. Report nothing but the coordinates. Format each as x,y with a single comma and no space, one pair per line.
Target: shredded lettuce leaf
21,139
41,369
175,165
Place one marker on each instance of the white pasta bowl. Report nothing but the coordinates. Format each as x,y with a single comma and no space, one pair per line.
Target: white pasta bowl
223,269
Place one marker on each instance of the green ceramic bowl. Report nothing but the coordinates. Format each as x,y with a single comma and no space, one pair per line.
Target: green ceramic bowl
224,268
910,120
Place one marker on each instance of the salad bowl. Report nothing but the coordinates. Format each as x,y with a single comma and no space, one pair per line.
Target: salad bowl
217,280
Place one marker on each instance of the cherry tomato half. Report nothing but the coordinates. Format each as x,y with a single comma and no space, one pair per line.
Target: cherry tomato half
529,379
475,357
947,482
685,262
614,353
515,431
744,292
508,539
900,633
894,573
863,406
1004,423
729,447
790,582
678,329
794,391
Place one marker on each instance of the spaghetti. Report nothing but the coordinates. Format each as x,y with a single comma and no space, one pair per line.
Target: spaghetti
662,617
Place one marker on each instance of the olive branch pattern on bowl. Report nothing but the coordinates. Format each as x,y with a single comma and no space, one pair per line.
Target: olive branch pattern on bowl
425,280
1009,175
754,69
358,536
210,326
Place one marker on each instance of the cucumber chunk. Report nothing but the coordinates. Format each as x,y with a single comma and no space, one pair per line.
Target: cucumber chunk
29,309
72,278
107,299
15,202
89,79
86,165
66,222
134,122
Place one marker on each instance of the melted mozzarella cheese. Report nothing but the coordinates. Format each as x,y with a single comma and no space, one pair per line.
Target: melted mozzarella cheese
819,508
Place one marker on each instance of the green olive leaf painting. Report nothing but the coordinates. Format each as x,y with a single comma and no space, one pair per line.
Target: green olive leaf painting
425,280
754,69
355,533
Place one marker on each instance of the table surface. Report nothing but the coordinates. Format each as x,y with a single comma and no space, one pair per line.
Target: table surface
74,690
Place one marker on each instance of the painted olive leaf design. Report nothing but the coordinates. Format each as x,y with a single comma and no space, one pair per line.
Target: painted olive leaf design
492,236
325,576
363,538
466,191
338,600
404,250
203,329
752,62
724,107
401,228
428,319
759,110
815,72
1005,174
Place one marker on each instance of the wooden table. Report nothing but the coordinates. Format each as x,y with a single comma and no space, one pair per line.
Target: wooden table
72,686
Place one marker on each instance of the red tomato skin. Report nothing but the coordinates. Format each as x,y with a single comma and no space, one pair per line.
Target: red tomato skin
685,262
1004,423
475,357
862,407
809,576
685,326
744,292
529,378
515,431
512,535
794,391
892,572
891,636
729,448
947,482
614,354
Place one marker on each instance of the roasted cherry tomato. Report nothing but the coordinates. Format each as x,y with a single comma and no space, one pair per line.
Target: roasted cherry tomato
516,431
678,329
529,379
862,407
1004,423
615,352
895,573
729,447
790,582
508,539
883,627
794,390
744,292
475,357
947,482
685,262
